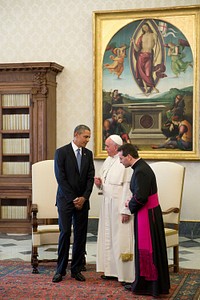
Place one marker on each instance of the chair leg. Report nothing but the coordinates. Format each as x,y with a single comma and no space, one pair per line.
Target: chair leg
176,259
34,260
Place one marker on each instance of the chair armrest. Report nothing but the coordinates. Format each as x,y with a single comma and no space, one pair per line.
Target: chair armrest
171,210
34,208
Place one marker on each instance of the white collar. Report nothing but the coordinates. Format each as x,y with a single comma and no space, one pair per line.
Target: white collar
75,148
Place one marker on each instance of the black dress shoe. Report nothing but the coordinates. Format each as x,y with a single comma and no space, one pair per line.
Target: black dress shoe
57,277
128,287
108,277
78,276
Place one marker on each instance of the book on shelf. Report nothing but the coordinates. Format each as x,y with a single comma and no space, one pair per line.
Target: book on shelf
13,212
11,168
16,100
16,146
16,122
4,212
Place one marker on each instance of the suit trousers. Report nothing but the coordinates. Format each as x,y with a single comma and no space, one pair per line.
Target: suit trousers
79,218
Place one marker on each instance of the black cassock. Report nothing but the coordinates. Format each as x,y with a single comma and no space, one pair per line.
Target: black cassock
151,264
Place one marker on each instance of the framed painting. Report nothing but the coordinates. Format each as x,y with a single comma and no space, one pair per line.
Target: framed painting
146,80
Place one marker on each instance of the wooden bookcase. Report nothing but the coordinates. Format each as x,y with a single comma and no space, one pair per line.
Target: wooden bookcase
27,135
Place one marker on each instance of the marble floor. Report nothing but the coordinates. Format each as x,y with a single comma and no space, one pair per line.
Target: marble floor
18,247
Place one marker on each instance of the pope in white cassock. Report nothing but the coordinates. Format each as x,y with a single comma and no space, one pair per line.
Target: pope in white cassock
115,232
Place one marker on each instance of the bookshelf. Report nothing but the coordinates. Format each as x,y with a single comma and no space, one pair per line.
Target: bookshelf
27,135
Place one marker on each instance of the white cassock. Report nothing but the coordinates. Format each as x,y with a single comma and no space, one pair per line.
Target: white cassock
115,239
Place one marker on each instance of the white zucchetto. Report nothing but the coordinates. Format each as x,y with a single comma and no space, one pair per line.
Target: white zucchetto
116,138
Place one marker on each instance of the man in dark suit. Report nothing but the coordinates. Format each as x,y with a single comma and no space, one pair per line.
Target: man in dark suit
72,200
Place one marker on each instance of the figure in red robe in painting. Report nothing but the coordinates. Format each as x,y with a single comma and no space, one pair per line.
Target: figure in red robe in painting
146,51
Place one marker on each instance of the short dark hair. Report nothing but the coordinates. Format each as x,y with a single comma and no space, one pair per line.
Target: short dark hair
129,149
81,128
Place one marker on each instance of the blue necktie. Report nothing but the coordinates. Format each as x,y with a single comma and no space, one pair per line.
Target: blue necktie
78,157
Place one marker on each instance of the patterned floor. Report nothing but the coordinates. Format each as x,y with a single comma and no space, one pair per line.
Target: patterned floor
18,247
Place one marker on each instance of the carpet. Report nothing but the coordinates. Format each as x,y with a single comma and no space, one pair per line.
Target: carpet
18,282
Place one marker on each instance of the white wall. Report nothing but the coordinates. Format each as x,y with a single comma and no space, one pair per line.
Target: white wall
61,31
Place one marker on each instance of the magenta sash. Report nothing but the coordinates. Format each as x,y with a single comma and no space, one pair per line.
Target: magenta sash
147,267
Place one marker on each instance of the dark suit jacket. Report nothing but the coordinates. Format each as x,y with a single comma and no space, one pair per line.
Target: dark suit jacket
71,183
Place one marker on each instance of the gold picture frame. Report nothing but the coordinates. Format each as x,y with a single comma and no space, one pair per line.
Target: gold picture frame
144,60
